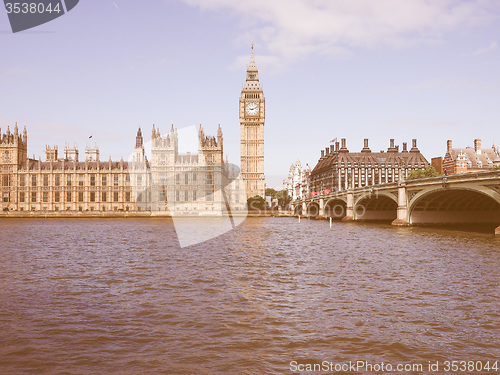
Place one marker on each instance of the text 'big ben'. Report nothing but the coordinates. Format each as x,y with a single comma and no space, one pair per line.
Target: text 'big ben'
252,117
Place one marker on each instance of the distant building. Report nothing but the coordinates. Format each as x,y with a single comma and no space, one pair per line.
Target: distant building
60,184
298,182
339,169
468,159
180,183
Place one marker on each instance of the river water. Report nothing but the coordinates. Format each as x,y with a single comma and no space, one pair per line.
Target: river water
119,296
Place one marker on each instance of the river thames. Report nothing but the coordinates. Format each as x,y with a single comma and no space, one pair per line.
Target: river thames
120,296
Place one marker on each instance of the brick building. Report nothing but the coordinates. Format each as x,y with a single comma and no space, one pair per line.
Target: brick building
339,169
468,159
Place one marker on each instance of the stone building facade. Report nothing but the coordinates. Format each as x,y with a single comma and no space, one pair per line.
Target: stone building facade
298,182
60,184
339,169
468,159
252,118
179,183
201,183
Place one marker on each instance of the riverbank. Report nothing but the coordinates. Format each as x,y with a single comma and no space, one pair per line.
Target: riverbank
115,214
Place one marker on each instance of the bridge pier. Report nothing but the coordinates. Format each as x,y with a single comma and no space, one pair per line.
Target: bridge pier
304,209
402,216
497,231
321,213
349,213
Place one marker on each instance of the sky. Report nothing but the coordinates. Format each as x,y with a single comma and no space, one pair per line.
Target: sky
350,69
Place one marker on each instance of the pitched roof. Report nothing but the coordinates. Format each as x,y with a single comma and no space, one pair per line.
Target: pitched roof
487,156
336,158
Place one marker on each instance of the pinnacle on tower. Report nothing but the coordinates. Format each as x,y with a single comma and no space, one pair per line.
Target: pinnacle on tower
252,67
138,139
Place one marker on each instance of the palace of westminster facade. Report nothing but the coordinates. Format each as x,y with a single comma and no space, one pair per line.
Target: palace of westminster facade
201,183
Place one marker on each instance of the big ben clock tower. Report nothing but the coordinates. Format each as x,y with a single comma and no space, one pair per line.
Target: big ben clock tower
252,117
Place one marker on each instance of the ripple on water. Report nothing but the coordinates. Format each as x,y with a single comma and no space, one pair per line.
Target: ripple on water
121,297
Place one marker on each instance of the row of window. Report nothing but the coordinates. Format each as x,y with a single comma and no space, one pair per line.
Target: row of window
79,181
179,196
80,208
320,185
69,197
374,170
6,181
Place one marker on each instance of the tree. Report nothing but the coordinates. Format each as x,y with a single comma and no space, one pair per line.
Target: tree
430,171
283,198
256,203
271,192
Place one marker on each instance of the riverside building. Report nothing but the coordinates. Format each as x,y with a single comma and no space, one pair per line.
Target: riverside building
297,183
470,159
174,182
252,117
339,169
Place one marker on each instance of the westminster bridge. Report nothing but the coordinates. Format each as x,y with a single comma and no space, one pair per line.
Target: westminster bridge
471,198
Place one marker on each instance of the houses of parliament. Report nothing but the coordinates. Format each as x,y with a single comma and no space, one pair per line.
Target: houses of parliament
202,183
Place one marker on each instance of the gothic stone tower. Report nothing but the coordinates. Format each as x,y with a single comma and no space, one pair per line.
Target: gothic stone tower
13,155
252,117
13,149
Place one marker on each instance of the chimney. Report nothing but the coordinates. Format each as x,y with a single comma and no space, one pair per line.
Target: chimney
391,146
327,150
477,146
322,153
405,149
343,144
337,146
397,148
449,145
365,147
414,146
332,148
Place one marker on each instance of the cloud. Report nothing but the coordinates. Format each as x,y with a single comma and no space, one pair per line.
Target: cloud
492,47
291,29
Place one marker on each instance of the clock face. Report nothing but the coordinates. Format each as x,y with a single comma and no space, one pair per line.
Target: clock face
252,109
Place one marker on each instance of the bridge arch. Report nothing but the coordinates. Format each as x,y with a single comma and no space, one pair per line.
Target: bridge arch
297,209
376,207
455,205
312,209
336,208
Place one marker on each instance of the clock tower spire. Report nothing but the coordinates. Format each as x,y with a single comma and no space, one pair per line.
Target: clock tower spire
252,118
